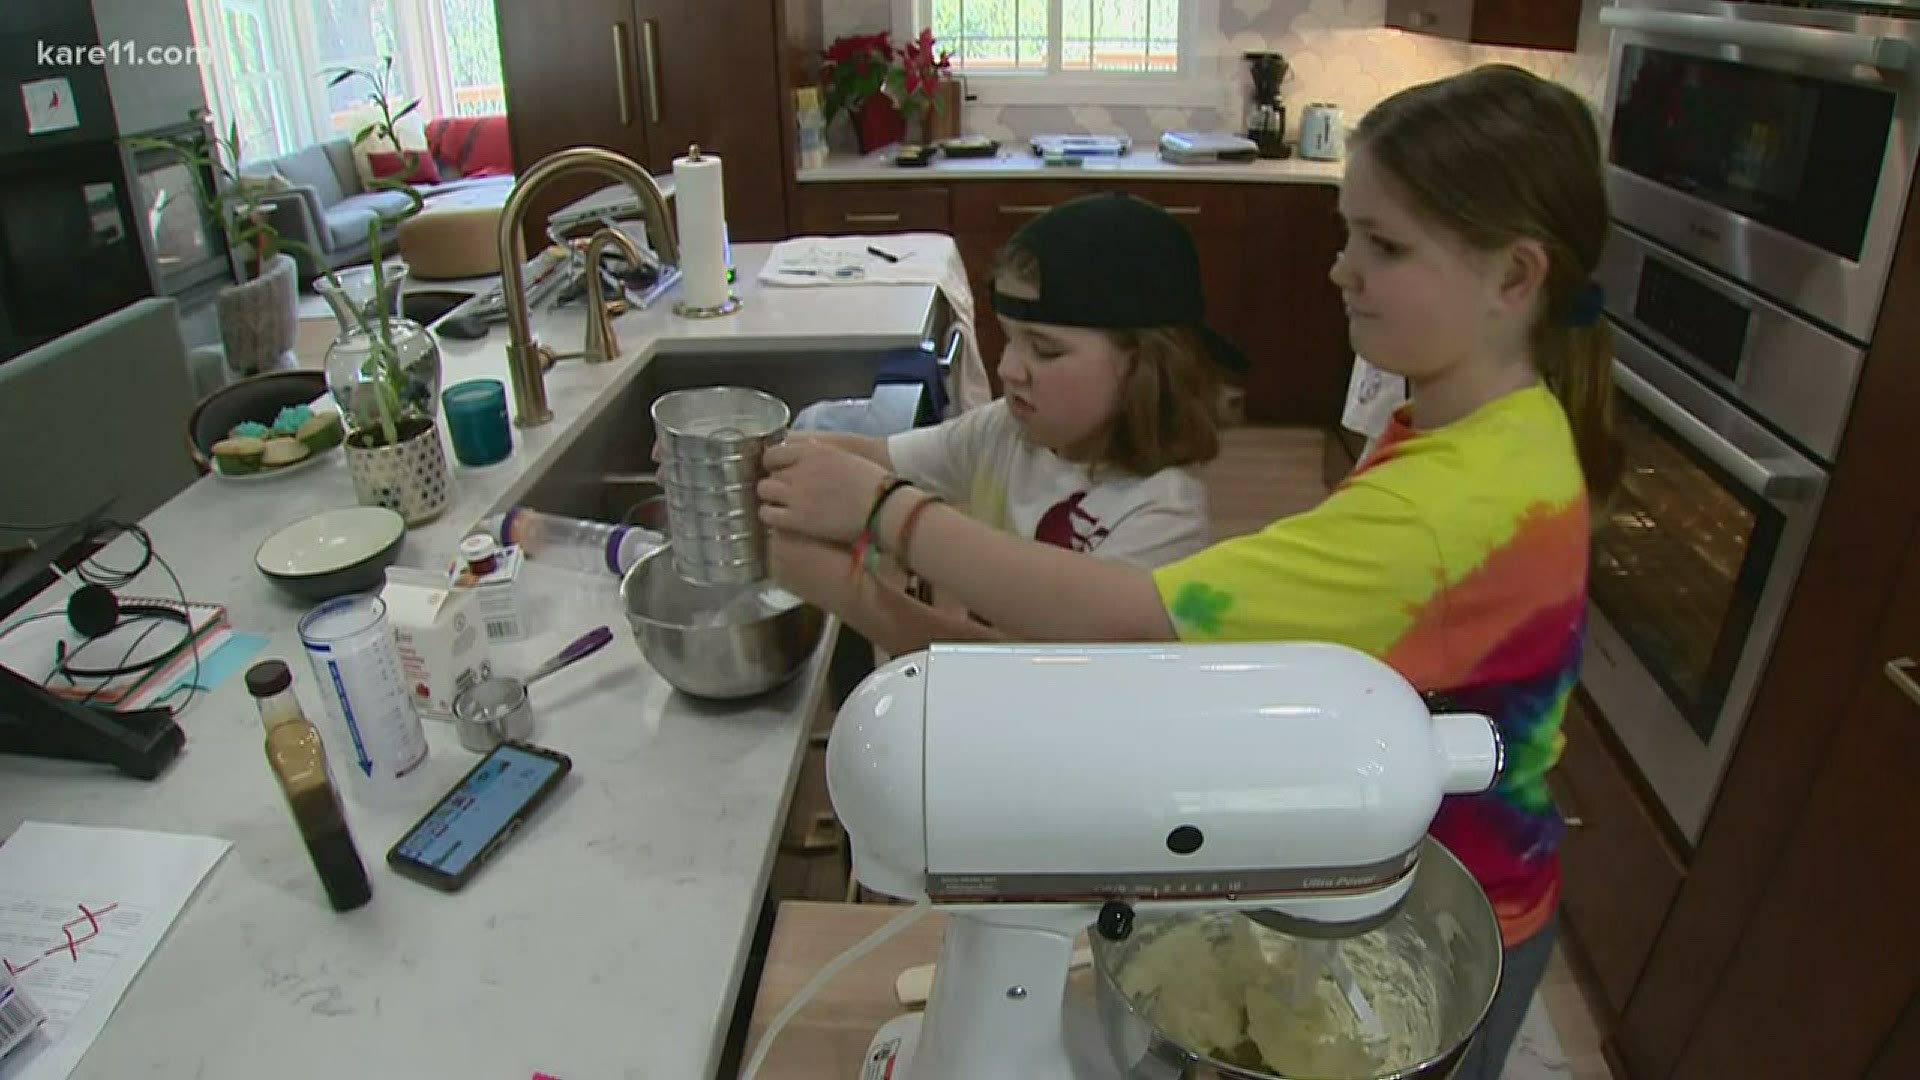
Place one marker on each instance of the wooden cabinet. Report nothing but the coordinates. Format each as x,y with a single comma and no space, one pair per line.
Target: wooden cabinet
568,78
1264,252
987,214
1291,321
709,74
1619,874
832,209
1900,1056
638,77
1825,977
1529,24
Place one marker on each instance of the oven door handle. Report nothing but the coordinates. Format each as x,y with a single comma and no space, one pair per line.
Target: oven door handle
1750,472
1809,42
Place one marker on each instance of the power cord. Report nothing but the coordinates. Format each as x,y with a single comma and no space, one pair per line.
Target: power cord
94,571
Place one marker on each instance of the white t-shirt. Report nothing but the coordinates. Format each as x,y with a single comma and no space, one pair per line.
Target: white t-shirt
980,462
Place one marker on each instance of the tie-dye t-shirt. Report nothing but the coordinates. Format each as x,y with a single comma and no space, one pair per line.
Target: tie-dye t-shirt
1459,556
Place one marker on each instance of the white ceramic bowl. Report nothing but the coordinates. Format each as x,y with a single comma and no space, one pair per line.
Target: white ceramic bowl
333,552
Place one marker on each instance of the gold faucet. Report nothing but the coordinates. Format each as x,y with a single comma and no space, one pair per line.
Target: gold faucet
601,345
527,359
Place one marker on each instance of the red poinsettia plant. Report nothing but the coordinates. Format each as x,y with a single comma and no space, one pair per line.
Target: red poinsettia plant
921,73
858,66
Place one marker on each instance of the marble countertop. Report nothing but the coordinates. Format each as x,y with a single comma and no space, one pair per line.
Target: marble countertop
608,939
1015,163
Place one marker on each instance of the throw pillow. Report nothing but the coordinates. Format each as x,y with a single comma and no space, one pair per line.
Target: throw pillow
387,163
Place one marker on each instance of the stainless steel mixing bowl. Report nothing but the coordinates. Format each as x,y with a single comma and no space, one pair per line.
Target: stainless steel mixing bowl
673,620
1445,922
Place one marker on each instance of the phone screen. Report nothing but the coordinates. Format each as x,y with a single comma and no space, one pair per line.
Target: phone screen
456,831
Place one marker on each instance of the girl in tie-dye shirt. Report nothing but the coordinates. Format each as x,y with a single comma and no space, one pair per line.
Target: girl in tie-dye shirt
1457,551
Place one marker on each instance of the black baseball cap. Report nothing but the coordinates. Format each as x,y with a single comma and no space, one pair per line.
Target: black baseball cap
1118,262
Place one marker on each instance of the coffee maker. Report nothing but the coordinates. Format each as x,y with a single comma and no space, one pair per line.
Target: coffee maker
1267,110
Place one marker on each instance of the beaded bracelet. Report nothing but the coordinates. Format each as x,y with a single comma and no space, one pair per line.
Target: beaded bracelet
907,527
865,550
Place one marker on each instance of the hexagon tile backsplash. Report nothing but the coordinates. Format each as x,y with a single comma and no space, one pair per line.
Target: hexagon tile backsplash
1338,49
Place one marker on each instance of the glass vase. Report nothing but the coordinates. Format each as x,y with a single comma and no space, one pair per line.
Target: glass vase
404,371
352,296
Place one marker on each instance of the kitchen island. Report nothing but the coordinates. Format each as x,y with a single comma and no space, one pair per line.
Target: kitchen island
609,939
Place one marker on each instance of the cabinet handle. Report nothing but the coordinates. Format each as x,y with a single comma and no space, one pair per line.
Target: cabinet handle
1025,208
1897,671
622,70
891,217
955,338
1574,820
1182,211
650,44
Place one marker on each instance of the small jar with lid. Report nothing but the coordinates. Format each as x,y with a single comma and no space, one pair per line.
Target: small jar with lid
480,554
492,571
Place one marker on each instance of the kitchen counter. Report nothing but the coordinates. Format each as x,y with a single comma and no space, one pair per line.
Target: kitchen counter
609,938
1018,164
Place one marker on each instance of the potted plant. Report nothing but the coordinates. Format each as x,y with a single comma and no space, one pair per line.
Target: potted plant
854,72
258,314
882,87
383,369
925,78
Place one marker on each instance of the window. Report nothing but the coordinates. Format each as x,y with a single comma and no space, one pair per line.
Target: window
1082,52
472,54
272,58
349,34
255,80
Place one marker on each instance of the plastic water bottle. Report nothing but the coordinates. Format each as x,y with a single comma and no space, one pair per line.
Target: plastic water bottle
812,124
593,547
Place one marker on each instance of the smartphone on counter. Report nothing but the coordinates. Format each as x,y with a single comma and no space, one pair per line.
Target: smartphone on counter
469,824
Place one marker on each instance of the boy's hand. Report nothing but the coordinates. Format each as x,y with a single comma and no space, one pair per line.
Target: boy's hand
813,570
818,490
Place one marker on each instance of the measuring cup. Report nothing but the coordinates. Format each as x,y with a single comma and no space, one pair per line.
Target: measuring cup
497,708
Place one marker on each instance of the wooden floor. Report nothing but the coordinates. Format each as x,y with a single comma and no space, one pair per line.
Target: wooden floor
311,341
1263,473
1565,996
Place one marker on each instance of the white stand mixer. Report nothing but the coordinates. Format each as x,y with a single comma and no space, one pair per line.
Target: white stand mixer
1034,790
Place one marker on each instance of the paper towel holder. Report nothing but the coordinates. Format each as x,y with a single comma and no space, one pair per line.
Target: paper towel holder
694,311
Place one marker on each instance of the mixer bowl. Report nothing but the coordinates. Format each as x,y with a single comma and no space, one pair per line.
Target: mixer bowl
677,625
1445,928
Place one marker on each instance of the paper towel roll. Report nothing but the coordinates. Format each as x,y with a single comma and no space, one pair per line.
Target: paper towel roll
700,208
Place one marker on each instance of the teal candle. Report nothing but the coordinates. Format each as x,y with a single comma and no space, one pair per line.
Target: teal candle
477,421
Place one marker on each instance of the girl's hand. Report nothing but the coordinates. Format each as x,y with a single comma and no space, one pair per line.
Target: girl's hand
817,489
813,570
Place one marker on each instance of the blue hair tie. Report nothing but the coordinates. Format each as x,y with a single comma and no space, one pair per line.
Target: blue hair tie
1588,305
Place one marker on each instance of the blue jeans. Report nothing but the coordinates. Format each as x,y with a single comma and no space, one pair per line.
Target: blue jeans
1523,965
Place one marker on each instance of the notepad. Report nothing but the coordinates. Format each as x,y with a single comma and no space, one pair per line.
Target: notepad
33,651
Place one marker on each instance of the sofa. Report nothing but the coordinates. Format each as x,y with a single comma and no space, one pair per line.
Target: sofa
315,196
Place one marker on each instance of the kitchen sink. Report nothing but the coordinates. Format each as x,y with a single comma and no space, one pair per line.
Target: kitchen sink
599,476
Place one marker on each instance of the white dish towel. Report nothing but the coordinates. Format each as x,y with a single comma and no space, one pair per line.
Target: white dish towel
923,259
1372,397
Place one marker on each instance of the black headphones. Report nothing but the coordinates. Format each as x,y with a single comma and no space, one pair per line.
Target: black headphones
93,611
